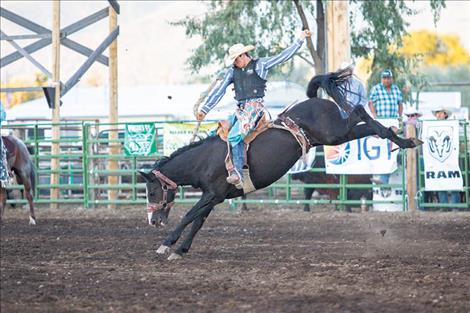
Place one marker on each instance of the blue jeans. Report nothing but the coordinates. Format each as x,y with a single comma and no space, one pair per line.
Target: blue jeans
443,196
238,156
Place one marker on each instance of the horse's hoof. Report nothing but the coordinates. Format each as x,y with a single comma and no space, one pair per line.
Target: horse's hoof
32,221
163,249
174,256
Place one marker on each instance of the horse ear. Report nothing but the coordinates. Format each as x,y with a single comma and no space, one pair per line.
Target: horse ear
146,176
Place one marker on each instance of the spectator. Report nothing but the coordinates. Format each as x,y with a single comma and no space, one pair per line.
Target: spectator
385,101
442,113
355,91
412,116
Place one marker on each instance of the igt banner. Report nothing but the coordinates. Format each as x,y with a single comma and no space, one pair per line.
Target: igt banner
140,139
369,155
441,156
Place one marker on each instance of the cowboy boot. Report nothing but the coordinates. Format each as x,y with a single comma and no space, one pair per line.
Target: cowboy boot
238,153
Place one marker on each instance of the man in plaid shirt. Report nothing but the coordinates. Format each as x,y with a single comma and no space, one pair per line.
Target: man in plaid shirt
386,99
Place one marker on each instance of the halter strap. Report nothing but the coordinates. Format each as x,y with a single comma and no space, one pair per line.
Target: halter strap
167,184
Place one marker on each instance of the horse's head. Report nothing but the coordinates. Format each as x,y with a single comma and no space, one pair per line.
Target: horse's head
161,193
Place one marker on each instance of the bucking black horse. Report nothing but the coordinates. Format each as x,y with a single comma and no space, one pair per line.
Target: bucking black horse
271,155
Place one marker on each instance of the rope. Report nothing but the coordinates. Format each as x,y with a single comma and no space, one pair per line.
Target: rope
201,98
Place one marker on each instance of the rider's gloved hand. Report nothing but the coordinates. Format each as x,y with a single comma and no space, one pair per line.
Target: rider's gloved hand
200,116
305,33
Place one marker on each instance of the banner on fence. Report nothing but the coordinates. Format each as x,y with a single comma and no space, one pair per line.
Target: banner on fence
178,135
140,139
441,155
369,155
393,196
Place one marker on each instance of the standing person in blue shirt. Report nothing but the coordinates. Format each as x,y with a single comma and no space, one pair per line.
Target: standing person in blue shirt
248,75
385,101
4,177
355,91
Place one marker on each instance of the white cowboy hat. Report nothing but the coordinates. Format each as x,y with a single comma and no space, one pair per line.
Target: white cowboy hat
442,109
411,111
235,51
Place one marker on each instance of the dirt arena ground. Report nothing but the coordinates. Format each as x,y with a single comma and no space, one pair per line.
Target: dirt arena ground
278,260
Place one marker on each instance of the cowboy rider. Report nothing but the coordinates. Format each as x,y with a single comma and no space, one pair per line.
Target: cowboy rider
248,76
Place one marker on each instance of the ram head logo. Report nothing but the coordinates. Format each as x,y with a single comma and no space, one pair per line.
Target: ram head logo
440,143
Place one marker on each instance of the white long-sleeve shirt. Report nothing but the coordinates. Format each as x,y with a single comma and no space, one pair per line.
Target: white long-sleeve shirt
262,67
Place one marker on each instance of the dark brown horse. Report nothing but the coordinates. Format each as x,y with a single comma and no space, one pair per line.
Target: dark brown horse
20,163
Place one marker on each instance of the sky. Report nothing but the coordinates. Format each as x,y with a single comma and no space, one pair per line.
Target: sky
151,51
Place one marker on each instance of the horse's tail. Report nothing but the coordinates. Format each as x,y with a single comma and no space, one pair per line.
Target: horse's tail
334,84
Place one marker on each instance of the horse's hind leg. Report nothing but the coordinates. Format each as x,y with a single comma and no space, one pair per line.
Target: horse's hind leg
29,197
384,132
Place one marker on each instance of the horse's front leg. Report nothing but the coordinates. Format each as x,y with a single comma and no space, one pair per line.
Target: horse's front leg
185,221
196,226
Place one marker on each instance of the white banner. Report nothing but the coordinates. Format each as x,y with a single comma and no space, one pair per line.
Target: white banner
394,195
177,135
369,155
441,155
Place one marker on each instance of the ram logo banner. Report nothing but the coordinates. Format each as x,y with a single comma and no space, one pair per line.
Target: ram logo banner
369,155
440,142
441,155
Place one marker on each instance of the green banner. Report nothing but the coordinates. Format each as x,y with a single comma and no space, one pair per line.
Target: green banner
140,139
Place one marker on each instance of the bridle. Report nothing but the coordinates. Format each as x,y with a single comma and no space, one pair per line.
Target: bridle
167,184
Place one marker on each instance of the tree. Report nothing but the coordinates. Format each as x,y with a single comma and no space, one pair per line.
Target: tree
11,99
435,49
274,24
271,25
381,37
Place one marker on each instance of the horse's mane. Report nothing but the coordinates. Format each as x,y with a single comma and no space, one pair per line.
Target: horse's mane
335,85
165,159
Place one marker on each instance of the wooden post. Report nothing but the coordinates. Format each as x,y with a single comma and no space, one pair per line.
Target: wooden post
113,110
337,30
55,149
411,170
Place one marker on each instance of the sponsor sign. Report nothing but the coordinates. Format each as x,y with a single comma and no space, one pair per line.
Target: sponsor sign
441,155
369,155
140,139
178,135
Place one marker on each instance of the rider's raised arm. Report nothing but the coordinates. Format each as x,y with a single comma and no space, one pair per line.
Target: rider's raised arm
218,92
285,55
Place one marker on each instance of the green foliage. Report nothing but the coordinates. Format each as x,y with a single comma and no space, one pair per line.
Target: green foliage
382,36
269,25
273,25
